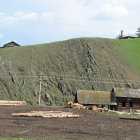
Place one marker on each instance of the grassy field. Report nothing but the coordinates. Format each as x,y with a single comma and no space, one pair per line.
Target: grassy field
129,50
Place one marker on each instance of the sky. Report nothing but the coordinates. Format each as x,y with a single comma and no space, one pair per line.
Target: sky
31,22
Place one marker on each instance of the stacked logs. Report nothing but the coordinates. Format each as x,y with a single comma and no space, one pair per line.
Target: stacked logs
47,114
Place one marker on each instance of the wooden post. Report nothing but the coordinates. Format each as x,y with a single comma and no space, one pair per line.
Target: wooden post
40,87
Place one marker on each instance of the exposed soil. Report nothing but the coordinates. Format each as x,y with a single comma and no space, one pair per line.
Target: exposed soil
91,125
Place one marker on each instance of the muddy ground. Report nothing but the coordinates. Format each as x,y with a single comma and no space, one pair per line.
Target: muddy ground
90,126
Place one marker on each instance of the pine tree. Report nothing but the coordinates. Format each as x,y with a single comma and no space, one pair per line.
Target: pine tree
138,32
121,35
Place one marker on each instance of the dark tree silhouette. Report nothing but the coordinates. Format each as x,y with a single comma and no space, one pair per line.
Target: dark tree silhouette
138,32
120,36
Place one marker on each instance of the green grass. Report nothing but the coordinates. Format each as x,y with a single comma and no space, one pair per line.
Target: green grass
123,115
133,116
17,139
129,50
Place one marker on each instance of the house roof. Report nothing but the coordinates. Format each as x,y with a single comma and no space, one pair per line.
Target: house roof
95,97
11,44
131,93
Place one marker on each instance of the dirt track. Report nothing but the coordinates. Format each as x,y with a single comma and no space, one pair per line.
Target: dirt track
91,125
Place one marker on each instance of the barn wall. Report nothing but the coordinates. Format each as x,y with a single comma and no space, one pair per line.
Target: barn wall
124,103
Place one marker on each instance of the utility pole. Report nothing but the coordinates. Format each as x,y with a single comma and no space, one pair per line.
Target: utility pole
40,88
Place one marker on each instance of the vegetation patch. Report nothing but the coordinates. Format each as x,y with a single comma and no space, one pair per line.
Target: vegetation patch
122,115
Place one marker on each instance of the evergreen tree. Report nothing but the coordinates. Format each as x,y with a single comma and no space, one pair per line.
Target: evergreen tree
138,32
121,35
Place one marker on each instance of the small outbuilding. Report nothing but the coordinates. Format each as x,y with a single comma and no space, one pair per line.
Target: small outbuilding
11,44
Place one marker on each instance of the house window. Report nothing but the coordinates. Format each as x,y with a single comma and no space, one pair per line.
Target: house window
130,104
123,104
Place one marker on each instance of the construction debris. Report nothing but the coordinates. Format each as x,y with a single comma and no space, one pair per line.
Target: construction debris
47,114
12,103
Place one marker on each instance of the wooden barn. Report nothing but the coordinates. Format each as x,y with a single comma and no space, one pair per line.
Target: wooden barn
11,44
98,98
117,99
127,99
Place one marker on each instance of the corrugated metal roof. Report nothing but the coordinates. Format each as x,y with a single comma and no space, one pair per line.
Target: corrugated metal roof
95,97
131,93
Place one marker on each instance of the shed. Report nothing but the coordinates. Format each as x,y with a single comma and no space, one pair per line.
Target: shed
99,98
11,44
127,98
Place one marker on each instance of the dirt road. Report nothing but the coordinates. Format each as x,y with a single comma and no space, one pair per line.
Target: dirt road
90,126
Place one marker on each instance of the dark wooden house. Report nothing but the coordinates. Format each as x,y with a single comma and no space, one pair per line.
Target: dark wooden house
11,44
127,99
129,37
98,98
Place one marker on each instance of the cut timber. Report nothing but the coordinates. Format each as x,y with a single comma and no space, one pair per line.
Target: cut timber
12,103
137,111
76,105
95,108
47,114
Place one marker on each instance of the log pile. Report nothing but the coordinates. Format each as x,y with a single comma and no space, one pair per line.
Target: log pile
137,111
76,105
79,106
12,103
47,114
95,108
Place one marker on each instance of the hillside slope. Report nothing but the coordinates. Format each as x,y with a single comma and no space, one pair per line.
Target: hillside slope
84,63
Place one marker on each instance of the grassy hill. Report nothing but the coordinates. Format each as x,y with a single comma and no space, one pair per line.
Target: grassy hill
83,63
129,50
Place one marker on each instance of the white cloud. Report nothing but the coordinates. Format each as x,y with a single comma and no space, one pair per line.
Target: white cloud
21,16
109,9
49,17
30,16
110,12
1,36
64,18
1,14
129,1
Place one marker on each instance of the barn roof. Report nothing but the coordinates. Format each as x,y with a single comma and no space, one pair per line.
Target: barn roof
131,93
95,97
